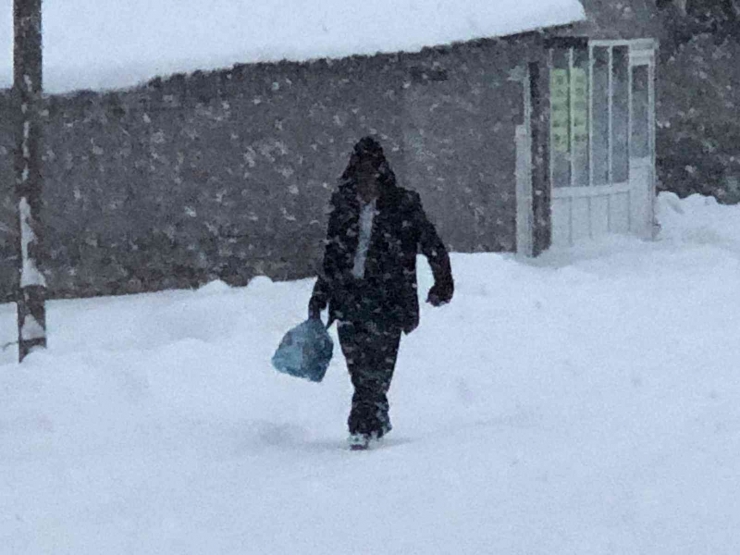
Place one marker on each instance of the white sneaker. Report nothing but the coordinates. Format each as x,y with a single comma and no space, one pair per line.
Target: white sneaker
362,442
358,442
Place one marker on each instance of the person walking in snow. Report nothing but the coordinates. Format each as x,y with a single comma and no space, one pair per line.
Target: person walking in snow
368,280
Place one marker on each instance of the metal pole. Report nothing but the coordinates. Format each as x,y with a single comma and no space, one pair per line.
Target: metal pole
27,87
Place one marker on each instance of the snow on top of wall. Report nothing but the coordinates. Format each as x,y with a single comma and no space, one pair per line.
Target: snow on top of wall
102,44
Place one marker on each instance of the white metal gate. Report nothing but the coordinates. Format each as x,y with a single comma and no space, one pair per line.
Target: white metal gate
602,140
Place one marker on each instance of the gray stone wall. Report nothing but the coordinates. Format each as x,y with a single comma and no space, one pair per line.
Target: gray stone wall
459,140
221,175
621,19
227,174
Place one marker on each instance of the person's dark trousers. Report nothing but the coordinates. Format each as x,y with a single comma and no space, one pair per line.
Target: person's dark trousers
371,351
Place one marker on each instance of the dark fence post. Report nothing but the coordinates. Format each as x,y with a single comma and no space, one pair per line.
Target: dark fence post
541,201
27,87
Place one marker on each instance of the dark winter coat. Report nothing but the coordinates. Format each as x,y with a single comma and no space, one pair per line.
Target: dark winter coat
387,294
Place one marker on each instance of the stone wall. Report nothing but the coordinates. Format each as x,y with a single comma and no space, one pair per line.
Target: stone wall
460,140
227,174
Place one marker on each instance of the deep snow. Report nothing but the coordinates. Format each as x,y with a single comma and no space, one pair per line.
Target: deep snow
105,44
584,403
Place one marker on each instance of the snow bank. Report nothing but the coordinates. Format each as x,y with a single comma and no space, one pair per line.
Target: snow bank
551,409
698,220
110,44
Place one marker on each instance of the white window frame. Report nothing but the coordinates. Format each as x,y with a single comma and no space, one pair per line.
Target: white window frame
640,52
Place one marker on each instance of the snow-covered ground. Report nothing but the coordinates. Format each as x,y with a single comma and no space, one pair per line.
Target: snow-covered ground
114,43
585,403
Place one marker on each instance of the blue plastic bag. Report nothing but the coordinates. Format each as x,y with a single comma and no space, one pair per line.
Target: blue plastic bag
305,351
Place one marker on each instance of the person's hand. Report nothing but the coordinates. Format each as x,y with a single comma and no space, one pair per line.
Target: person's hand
439,296
314,309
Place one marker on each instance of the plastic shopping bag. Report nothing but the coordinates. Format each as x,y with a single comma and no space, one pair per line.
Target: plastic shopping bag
305,351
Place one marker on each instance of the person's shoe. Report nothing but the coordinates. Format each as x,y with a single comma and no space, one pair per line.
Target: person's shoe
358,442
362,442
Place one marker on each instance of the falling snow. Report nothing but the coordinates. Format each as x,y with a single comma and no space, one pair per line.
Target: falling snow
580,403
